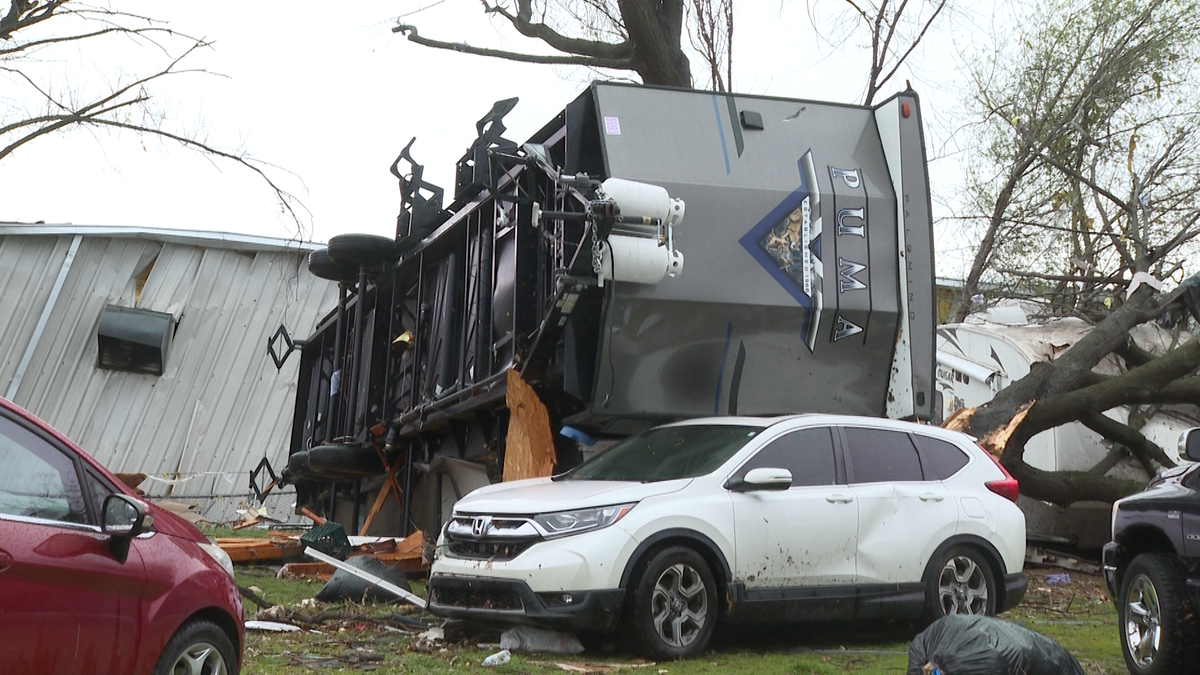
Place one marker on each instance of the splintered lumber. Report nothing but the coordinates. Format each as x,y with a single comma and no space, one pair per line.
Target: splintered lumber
407,554
307,570
996,441
243,550
529,446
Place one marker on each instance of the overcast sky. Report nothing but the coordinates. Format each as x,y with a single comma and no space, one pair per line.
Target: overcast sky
329,95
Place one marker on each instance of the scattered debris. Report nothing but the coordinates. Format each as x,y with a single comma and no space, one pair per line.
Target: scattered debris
1058,579
529,446
595,668
246,550
532,639
306,570
273,613
132,480
272,626
981,644
429,640
252,517
381,583
189,512
253,594
498,659
345,585
1040,556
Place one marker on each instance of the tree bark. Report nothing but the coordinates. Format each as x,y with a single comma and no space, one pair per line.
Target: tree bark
1067,390
655,28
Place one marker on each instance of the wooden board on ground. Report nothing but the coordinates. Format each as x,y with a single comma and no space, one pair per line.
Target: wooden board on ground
245,550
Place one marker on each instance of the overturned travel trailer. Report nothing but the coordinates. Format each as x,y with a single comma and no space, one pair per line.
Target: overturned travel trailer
649,255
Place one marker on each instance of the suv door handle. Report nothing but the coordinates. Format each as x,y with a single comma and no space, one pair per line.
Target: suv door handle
5,560
932,497
839,499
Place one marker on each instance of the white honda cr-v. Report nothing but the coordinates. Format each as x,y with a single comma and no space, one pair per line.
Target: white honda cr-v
734,519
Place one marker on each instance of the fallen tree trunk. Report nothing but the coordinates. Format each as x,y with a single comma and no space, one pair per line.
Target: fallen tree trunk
1068,390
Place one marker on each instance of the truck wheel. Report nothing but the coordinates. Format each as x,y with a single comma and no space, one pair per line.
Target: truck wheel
322,266
674,606
361,250
960,581
198,648
1158,626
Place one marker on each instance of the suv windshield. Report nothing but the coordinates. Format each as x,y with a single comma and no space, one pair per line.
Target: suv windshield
666,453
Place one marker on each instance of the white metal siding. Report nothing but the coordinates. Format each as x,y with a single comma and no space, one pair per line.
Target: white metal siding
220,405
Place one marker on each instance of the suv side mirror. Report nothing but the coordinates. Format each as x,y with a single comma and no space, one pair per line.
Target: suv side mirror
123,518
1189,444
763,478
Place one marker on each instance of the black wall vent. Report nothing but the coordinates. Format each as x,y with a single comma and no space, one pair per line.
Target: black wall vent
135,340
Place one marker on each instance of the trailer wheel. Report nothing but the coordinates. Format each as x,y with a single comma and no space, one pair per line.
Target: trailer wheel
344,461
322,266
361,250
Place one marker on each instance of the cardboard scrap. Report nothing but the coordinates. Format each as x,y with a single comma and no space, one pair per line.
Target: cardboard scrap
529,446
189,512
132,480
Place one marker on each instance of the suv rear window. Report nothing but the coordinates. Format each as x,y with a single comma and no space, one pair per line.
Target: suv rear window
942,458
878,455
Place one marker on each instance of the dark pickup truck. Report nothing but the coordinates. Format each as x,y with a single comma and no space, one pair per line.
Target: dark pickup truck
1152,568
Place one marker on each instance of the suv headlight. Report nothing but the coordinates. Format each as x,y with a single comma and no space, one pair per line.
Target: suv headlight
562,523
218,554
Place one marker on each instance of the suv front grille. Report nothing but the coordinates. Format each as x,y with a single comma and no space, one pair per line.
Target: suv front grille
484,537
470,596
477,549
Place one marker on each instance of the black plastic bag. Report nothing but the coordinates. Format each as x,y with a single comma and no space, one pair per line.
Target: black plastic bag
345,586
978,645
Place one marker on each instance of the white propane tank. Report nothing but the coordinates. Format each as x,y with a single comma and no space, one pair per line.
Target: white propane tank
642,200
638,260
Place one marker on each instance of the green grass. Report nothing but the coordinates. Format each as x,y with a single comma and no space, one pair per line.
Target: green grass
356,637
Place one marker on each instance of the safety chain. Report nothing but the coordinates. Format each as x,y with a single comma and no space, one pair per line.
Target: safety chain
597,253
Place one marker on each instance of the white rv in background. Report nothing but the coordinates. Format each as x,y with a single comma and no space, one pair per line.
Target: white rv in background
986,353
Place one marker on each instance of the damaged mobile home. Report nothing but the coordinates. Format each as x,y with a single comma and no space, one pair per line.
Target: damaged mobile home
649,255
145,346
991,350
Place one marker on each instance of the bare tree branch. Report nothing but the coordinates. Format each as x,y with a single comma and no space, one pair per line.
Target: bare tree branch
411,33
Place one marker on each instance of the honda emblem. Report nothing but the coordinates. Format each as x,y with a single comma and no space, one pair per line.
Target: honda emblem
481,525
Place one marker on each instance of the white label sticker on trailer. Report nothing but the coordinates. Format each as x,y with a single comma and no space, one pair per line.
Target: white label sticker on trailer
612,126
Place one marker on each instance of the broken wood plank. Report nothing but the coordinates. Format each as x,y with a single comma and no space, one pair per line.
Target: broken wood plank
259,550
408,554
379,501
529,445
307,570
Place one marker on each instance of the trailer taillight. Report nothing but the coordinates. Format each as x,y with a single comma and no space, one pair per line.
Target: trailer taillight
1006,487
